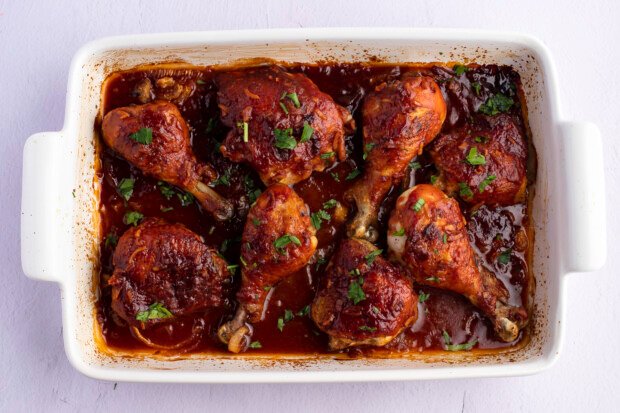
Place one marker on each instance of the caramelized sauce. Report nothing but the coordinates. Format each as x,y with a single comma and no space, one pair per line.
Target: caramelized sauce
491,230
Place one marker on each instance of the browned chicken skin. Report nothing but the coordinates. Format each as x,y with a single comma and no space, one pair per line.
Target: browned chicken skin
157,263
270,108
168,156
426,232
400,118
278,239
498,176
364,299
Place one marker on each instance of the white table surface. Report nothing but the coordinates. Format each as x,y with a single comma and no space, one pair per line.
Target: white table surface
37,41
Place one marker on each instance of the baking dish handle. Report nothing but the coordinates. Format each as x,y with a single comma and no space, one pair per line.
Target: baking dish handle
581,159
40,202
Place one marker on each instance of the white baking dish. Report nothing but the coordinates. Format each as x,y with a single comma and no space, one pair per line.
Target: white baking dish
60,223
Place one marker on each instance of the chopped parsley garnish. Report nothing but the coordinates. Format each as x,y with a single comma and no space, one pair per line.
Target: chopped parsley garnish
355,271
418,205
245,264
485,182
331,203
327,155
165,189
256,344
284,109
496,104
223,179
476,86
286,239
460,69
481,139
125,188
356,293
288,315
335,176
353,174
232,268
201,82
366,328
306,133
132,218
433,179
155,311
318,217
399,233
165,209
320,262
464,191
367,148
504,257
256,222
444,238
422,296
457,347
474,158
293,97
244,127
280,324
267,288
415,165
111,240
143,136
433,279
304,311
186,198
284,138
375,309
370,258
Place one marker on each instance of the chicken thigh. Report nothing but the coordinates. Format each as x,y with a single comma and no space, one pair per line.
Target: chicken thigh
281,123
426,232
364,299
484,162
278,239
164,270
400,118
154,137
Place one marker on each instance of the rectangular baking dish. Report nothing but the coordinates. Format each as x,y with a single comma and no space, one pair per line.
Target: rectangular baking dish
60,222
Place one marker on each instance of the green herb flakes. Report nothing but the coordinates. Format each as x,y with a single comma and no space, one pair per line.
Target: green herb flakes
155,311
143,136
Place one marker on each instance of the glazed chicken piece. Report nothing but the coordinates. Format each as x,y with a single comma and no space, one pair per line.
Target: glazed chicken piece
400,118
281,123
484,162
278,239
426,232
364,299
164,270
154,137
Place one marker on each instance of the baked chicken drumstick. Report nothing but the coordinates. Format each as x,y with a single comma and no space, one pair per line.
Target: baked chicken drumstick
364,299
278,239
426,232
281,123
163,271
400,117
154,137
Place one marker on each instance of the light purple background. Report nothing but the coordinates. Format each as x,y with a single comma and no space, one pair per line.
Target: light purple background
37,41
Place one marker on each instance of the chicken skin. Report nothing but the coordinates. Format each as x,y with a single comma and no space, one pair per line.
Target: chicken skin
364,299
164,270
281,123
484,162
400,117
155,138
426,232
278,239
